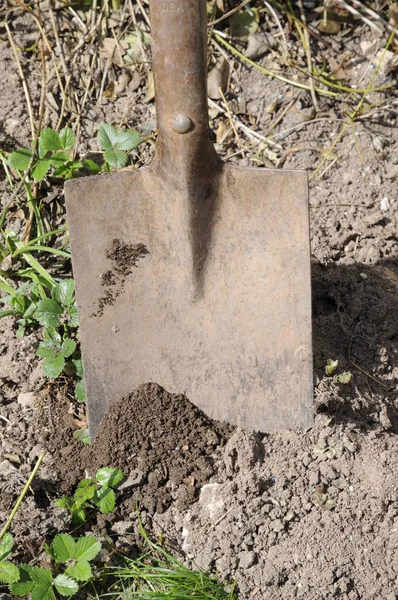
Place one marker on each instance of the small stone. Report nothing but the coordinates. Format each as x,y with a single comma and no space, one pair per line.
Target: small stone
26,399
246,559
277,525
121,527
367,528
13,458
6,468
384,204
212,504
135,479
339,483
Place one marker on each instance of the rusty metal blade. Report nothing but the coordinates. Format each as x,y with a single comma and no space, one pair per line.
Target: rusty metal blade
214,303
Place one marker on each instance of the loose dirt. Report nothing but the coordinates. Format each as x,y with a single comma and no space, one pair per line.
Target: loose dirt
124,257
301,514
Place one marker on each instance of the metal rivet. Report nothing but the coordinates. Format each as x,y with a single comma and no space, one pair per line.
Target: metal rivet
181,124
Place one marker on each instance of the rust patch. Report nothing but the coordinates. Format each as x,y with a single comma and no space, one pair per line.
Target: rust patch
124,257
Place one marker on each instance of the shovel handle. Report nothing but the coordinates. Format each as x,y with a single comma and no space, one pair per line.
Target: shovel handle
179,54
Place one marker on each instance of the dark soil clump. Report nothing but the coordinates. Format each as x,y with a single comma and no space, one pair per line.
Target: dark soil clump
165,442
124,258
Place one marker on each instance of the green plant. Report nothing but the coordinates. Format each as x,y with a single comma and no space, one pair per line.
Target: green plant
9,573
53,152
156,575
96,493
116,145
58,314
70,565
330,368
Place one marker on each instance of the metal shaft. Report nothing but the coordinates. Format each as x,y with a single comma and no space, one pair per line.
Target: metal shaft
179,43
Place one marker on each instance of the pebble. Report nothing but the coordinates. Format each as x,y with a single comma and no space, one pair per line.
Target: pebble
367,528
14,458
246,559
6,468
26,399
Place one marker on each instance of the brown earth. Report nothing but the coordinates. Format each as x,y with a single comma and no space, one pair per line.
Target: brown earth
302,514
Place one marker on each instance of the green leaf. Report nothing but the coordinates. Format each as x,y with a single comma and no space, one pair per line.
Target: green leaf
91,166
81,571
45,351
343,378
115,158
41,169
42,584
63,292
6,545
24,584
84,491
331,366
109,476
49,141
87,548
53,367
105,499
63,546
80,391
68,347
66,586
9,573
52,337
65,502
127,140
82,435
78,516
48,312
244,22
67,138
59,159
78,363
73,316
107,136
20,159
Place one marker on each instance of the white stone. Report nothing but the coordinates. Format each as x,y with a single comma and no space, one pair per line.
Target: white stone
26,399
212,504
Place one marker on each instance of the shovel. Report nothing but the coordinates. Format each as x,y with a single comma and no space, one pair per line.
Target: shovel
191,273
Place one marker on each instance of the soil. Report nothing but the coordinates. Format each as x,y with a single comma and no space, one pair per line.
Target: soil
124,257
298,514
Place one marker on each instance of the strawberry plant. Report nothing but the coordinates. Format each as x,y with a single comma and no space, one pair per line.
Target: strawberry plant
96,493
58,314
116,145
70,566
53,152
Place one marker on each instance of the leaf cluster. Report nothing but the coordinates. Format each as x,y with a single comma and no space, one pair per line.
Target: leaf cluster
96,493
116,145
58,315
70,566
53,152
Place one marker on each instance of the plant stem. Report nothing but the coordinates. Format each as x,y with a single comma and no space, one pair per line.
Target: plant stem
22,496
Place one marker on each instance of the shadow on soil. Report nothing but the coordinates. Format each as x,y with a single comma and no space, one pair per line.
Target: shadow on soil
355,321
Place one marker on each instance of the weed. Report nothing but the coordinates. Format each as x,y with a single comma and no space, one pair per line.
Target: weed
96,493
330,368
58,314
70,565
54,152
116,145
158,575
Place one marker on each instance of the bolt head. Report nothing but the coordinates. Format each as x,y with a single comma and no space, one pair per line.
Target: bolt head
181,124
